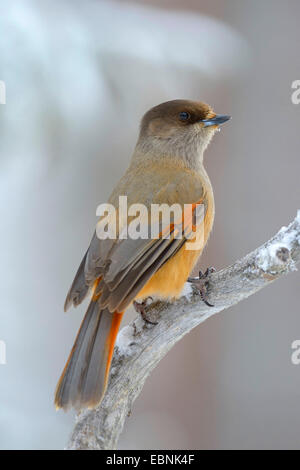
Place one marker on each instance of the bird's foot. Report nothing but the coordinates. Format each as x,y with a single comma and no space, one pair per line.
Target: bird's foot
201,283
140,308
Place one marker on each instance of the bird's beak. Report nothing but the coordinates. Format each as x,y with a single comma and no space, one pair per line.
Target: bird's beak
216,121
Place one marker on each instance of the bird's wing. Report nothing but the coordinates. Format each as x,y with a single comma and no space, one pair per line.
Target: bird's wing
128,264
118,269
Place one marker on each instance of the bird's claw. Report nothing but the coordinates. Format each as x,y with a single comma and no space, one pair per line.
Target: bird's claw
201,284
140,308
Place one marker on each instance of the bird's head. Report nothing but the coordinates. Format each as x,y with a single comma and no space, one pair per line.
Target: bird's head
179,128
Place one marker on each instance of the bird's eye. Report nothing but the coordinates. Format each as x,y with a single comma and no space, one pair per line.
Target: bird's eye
184,116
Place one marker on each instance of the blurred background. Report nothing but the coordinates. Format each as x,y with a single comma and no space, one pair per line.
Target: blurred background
79,75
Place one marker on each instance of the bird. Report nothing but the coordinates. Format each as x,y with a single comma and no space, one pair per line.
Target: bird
166,167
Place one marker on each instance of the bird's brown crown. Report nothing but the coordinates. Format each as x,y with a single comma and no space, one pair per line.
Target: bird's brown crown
176,113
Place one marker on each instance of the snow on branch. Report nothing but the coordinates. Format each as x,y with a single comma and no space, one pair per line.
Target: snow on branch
140,346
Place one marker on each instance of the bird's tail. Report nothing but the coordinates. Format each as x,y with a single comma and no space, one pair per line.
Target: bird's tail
84,379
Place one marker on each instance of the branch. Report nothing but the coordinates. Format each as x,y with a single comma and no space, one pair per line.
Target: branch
140,346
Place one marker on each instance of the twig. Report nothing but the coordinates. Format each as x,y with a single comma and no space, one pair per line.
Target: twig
140,346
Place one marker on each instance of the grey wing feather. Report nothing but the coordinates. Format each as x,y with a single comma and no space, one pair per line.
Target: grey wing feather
79,288
91,267
118,295
124,267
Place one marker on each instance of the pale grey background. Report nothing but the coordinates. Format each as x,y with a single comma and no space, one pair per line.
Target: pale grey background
79,76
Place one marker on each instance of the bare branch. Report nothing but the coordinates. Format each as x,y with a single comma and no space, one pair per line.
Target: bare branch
141,346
